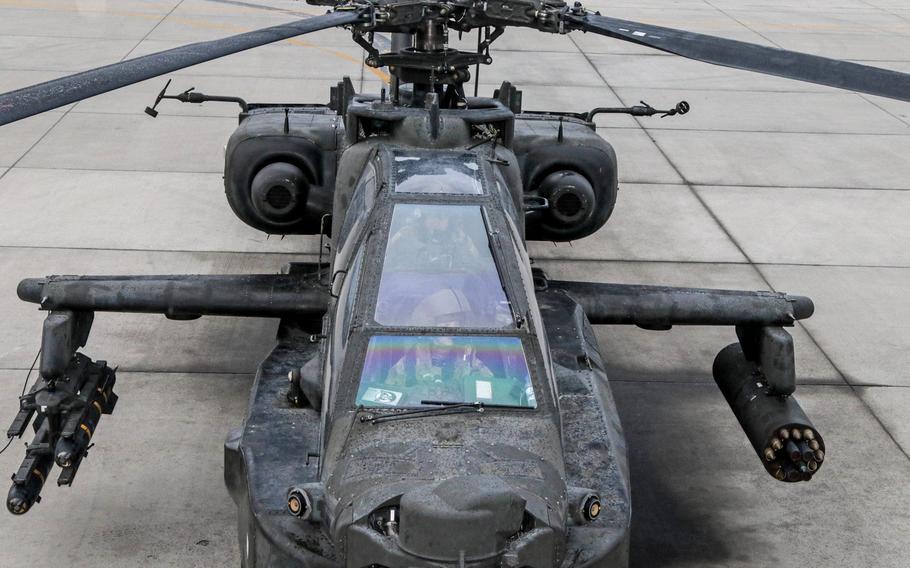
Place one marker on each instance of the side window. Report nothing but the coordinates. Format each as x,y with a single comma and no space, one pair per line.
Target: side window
361,202
345,315
353,287
504,195
528,278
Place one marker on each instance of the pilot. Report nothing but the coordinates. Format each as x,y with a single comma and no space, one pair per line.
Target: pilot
437,368
448,307
444,364
432,241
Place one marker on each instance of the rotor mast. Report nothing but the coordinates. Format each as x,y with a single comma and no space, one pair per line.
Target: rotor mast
431,41
420,54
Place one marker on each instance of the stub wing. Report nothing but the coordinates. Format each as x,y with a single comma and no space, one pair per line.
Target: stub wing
72,392
757,375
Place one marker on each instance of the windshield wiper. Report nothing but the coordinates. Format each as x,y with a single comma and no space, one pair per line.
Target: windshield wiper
450,404
440,407
444,408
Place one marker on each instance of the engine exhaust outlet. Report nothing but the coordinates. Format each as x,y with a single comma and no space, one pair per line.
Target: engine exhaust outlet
571,196
279,192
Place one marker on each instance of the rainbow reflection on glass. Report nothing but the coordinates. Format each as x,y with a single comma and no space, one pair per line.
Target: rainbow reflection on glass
403,370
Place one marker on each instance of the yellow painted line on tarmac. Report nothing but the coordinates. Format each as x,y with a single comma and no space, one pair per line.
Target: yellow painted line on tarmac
189,22
104,7
87,7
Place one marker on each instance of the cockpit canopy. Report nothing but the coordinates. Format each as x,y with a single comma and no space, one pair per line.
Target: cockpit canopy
439,271
429,172
439,325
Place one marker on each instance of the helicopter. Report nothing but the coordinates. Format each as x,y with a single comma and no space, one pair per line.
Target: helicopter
433,399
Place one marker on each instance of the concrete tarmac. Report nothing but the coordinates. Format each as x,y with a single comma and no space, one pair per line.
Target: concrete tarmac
766,184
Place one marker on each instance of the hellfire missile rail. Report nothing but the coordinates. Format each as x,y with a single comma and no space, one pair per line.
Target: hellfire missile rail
68,408
73,392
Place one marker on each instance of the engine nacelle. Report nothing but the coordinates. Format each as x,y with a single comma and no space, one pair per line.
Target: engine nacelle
279,172
566,162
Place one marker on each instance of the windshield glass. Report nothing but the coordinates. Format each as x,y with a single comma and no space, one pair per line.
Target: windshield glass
405,370
418,171
438,271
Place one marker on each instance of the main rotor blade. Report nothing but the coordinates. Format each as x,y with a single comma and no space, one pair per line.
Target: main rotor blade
36,99
751,57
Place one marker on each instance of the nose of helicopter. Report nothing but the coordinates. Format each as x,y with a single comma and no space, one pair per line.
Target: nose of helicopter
471,520
460,518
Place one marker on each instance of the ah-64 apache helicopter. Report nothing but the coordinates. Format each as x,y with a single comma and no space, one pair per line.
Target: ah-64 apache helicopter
432,399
